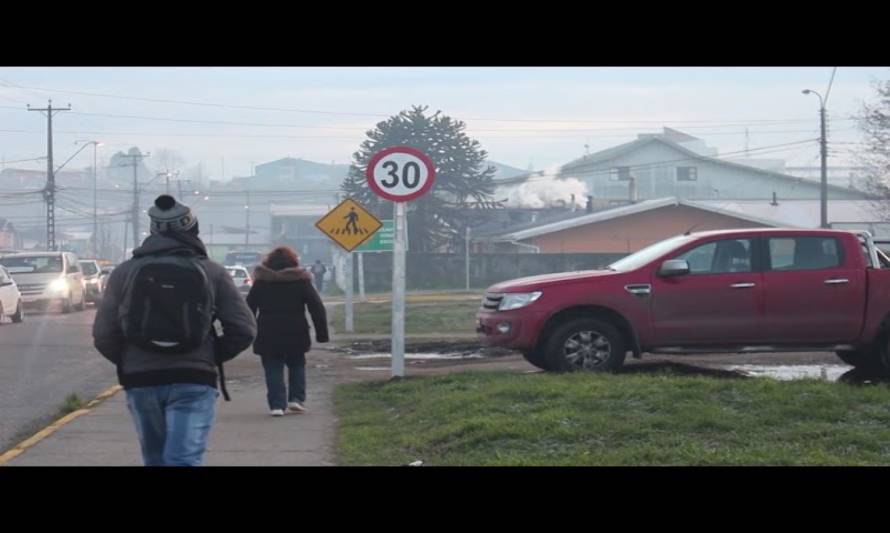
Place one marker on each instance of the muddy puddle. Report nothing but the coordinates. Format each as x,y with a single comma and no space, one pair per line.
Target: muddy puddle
790,372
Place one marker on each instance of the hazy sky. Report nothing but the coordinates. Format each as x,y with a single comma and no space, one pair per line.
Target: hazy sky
522,116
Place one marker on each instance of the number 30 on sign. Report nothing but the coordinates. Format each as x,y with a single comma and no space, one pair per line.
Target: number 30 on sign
401,173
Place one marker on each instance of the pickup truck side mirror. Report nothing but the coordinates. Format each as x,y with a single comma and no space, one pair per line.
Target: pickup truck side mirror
674,267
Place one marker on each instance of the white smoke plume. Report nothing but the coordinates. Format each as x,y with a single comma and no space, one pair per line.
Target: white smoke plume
547,191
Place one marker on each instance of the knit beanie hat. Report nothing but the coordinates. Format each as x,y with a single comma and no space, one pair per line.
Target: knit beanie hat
169,215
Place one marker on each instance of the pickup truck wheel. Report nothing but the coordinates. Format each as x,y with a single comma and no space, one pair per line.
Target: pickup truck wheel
874,358
585,344
537,358
857,358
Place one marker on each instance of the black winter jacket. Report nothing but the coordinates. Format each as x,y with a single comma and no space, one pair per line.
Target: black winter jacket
279,299
138,367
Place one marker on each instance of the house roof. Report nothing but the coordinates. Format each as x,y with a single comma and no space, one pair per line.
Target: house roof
801,213
612,153
623,211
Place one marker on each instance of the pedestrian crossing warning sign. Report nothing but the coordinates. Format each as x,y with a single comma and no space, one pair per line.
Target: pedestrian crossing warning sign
349,224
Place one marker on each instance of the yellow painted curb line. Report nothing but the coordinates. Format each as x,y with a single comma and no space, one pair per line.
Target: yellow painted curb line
55,426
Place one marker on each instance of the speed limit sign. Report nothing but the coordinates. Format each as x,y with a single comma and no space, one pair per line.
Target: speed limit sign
401,173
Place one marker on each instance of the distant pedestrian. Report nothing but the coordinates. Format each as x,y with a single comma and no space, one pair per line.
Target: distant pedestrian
170,317
318,272
280,296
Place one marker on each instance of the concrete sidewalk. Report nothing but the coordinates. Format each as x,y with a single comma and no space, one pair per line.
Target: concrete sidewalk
244,434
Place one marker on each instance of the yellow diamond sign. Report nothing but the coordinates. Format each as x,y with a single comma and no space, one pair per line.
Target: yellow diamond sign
349,224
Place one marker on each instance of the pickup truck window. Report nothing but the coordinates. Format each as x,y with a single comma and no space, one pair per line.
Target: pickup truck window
650,253
804,253
720,257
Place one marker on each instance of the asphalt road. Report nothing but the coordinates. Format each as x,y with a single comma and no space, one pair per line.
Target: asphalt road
42,361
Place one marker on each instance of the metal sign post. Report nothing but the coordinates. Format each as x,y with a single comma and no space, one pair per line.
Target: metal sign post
398,293
350,272
361,276
400,174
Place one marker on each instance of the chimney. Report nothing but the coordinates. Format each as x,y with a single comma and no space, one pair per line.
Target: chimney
590,204
632,189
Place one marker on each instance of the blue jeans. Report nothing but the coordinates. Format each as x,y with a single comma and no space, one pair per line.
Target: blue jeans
276,393
173,422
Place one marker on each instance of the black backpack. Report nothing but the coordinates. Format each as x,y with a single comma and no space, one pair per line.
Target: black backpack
167,305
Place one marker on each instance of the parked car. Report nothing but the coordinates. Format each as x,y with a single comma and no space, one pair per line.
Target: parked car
241,277
755,290
10,298
103,277
248,260
92,275
45,278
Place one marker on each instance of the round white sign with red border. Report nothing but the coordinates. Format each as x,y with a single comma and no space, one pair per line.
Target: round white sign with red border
401,173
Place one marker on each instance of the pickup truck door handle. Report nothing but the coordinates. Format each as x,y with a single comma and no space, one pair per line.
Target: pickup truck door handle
837,281
641,289
742,285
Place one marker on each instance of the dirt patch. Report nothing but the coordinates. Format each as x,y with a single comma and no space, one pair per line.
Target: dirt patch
682,369
450,347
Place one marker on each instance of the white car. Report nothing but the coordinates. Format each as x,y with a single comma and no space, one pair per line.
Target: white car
241,277
45,278
10,298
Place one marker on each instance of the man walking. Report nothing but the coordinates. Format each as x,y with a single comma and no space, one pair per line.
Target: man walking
318,272
169,318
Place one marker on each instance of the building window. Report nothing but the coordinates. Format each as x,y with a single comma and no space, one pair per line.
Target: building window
687,174
620,174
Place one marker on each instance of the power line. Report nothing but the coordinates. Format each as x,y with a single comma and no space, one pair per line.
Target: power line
364,129
353,113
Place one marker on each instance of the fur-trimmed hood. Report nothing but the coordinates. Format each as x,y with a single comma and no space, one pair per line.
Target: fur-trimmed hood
264,273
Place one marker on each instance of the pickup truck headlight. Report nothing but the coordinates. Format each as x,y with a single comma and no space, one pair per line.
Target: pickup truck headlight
59,285
518,300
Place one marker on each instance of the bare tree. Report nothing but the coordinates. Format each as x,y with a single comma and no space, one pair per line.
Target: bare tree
874,121
168,159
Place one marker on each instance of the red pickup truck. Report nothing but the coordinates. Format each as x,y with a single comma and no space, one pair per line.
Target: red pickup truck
737,291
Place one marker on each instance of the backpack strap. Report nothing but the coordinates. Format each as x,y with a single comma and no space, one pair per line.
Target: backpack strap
222,382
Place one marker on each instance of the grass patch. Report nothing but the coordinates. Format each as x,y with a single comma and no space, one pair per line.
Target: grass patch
503,419
455,316
72,403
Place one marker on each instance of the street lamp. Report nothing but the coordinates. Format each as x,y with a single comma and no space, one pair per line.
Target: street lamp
96,145
824,152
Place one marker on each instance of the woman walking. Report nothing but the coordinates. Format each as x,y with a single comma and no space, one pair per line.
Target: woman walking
281,293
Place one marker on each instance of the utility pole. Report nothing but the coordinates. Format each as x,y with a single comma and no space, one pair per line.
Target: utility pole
96,145
49,191
247,214
824,148
135,159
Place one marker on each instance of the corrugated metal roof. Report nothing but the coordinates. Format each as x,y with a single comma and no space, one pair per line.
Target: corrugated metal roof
618,212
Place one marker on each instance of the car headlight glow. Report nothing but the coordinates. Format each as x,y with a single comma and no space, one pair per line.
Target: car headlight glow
518,300
59,285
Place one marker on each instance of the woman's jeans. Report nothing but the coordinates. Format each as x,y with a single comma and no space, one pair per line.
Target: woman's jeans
173,422
277,395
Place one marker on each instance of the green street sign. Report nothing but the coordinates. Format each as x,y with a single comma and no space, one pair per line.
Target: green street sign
381,241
